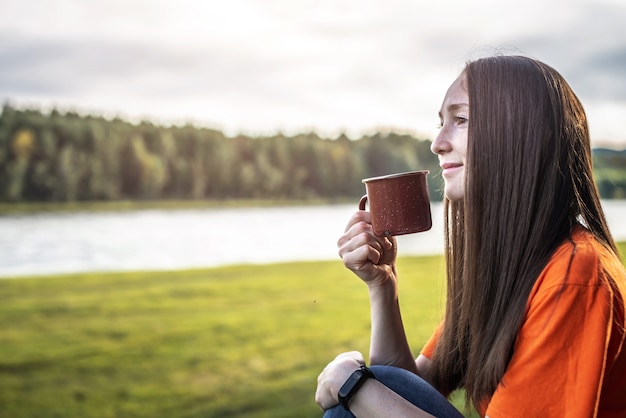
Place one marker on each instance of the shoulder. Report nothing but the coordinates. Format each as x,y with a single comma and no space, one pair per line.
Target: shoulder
581,260
576,293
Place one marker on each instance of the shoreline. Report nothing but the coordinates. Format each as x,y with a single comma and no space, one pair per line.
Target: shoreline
32,208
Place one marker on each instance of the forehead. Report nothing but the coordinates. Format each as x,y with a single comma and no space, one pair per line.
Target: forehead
457,93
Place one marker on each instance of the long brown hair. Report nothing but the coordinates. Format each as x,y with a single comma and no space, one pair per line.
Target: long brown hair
528,183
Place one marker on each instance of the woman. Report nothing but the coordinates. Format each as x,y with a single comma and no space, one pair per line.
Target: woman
534,320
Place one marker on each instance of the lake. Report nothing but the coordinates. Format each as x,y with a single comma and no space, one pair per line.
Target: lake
52,243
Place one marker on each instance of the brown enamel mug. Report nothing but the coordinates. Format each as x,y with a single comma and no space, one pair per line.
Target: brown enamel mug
399,203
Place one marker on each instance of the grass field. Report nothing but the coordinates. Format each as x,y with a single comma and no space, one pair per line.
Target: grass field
244,341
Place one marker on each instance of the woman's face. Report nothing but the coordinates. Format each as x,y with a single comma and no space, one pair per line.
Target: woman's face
451,142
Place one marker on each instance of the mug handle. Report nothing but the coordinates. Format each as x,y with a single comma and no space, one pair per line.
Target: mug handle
362,202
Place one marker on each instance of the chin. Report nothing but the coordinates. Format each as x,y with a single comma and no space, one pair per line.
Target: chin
454,195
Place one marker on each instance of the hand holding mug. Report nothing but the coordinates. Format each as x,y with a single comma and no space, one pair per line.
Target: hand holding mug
399,204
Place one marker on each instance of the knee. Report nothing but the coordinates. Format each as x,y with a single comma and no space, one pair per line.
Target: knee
415,390
395,376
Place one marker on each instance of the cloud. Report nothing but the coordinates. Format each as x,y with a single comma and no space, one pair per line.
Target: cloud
604,78
340,65
590,51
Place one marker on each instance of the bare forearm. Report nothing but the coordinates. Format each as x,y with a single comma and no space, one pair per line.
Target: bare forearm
389,345
376,400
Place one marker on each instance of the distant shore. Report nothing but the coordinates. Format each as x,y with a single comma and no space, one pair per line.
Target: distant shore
7,208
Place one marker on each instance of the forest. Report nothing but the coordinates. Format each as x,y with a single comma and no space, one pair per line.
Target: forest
67,157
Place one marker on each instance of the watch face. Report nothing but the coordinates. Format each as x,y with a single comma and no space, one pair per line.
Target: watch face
352,380
352,385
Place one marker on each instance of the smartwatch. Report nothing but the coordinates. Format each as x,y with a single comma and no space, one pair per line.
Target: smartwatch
353,384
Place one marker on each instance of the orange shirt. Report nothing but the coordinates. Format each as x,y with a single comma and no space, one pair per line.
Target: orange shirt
569,358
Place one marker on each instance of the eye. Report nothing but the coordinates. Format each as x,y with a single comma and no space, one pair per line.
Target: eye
460,120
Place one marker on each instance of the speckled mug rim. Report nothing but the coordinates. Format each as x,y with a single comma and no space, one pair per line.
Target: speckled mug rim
392,176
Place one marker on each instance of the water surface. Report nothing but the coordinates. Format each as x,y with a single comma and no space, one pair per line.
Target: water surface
39,244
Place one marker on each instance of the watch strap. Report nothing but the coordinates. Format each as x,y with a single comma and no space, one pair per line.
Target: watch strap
353,384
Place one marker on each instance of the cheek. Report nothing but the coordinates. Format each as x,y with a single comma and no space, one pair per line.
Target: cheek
462,146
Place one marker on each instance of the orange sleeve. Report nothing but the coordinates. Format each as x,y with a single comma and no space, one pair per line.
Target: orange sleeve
429,347
559,359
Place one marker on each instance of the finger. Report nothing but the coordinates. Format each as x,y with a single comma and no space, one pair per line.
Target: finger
363,256
321,397
354,355
363,239
360,233
359,216
354,231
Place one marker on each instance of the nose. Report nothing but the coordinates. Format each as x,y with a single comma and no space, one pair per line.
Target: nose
441,144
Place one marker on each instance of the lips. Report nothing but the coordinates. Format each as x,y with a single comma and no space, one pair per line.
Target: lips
446,166
449,168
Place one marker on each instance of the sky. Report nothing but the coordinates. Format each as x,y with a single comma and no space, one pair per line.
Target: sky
260,67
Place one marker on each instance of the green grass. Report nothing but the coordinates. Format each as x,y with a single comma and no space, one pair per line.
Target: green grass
243,341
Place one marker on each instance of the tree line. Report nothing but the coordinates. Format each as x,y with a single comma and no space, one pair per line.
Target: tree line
59,157
65,157
610,172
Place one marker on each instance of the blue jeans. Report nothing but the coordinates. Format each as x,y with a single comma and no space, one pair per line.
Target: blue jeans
412,388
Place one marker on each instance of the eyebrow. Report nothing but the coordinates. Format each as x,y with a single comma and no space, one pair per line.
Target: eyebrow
453,107
456,106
